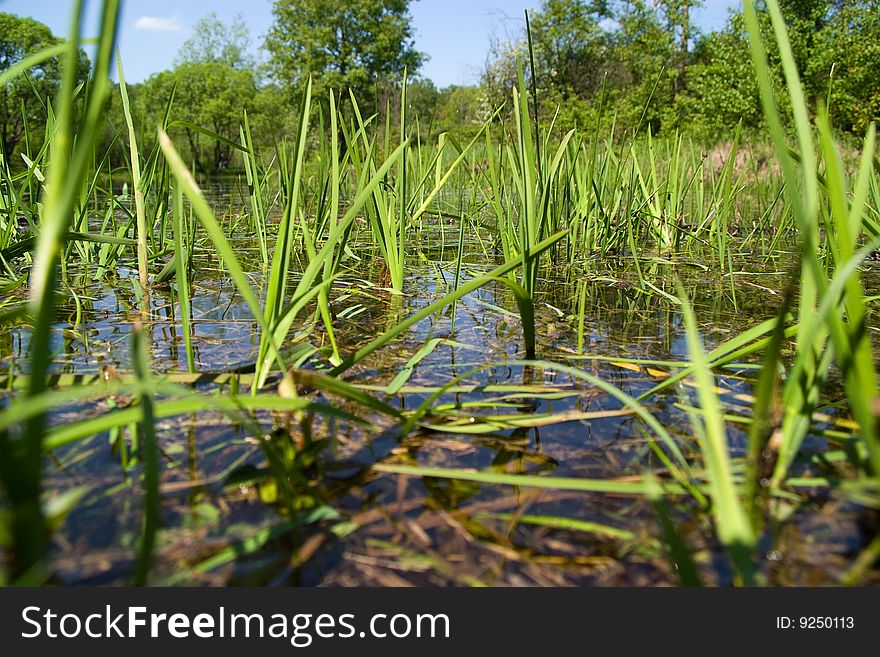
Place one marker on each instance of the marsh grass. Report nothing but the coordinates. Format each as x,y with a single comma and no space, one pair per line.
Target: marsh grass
137,184
842,216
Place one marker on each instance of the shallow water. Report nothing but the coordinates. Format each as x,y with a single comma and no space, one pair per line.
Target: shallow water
425,530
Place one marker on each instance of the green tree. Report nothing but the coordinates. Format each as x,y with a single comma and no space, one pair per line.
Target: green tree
500,73
216,82
646,52
571,47
213,41
459,110
849,46
646,60
805,20
678,14
842,36
27,95
421,104
209,95
270,117
590,52
342,44
573,52
721,85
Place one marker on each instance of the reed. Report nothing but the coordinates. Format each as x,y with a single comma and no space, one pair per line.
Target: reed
137,184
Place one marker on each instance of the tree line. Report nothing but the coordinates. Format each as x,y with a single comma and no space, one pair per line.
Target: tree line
647,63
620,65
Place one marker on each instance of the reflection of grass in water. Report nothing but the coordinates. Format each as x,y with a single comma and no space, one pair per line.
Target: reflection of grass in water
431,401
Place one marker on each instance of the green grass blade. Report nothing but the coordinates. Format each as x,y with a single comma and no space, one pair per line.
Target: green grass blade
149,455
679,554
140,211
732,523
526,481
224,249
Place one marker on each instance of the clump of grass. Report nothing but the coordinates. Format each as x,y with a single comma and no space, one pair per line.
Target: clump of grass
820,302
149,454
534,178
280,313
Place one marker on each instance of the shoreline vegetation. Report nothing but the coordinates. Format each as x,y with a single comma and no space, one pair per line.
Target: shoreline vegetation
542,338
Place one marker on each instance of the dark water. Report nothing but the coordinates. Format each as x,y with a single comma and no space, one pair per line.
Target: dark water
427,531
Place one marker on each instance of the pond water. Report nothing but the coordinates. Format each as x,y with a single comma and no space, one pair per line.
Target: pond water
402,530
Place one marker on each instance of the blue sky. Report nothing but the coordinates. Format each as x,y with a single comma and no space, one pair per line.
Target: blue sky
454,33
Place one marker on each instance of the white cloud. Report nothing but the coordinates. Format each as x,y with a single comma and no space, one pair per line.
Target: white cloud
158,24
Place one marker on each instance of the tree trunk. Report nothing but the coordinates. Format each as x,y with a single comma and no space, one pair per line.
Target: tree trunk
683,49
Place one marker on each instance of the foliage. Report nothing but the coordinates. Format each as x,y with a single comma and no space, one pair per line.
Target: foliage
638,63
721,86
460,109
28,95
208,95
847,58
341,44
644,80
571,46
213,41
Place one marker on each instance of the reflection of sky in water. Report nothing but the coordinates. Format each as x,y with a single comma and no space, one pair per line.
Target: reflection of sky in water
619,319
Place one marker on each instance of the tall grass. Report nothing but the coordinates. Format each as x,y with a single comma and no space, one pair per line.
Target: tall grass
137,184
534,180
843,219
401,201
279,312
256,186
